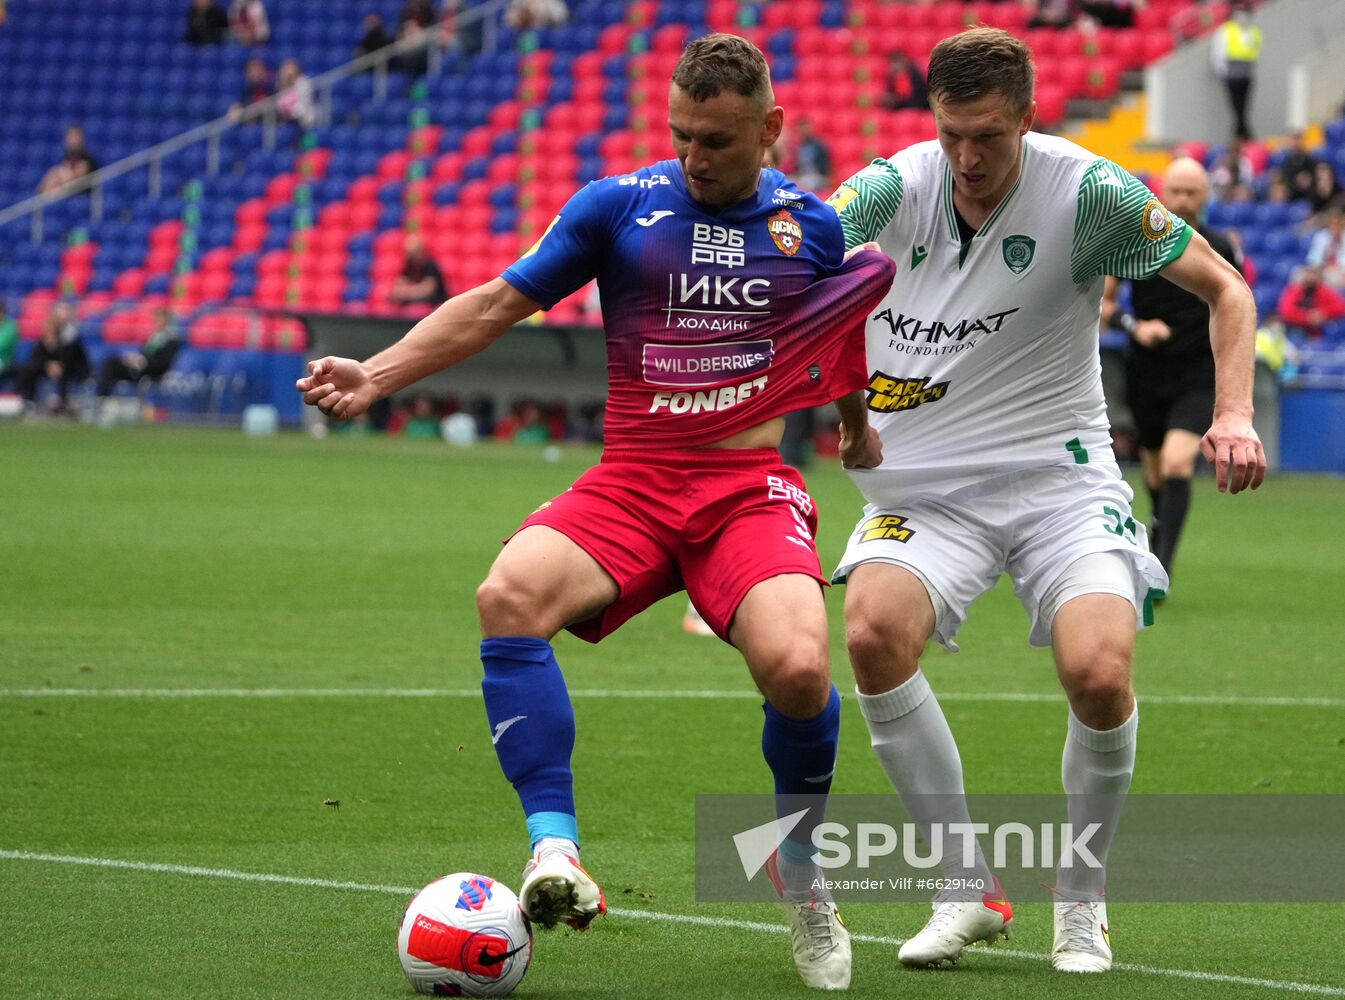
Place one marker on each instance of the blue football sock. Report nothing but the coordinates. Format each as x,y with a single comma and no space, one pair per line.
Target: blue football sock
801,754
532,727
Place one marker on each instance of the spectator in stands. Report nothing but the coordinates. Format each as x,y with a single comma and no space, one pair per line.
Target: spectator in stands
58,356
1055,14
375,36
152,361
1111,13
1327,249
1326,189
256,87
525,14
421,281
1308,303
1236,48
421,13
422,421
74,164
905,84
415,60
1298,168
807,159
9,343
1232,174
248,22
294,95
207,23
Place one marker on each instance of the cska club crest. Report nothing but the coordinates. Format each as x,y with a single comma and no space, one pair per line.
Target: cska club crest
787,234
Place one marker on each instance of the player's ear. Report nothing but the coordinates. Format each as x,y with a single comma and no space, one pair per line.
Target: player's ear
1026,125
775,122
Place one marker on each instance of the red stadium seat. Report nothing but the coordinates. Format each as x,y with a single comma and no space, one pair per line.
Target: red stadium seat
447,168
166,234
312,164
273,263
129,284
364,216
280,189
424,141
250,212
363,189
160,259
392,167
215,287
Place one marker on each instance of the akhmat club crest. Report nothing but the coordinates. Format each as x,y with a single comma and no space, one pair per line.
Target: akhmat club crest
1018,252
787,233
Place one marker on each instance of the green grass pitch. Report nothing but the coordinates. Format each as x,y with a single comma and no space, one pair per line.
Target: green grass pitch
153,558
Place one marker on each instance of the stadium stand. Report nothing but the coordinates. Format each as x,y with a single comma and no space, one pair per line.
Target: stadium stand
477,159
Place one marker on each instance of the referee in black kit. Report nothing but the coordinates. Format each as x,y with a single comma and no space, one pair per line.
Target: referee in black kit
1170,367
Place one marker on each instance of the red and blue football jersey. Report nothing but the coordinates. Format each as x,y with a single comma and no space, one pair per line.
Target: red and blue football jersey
715,321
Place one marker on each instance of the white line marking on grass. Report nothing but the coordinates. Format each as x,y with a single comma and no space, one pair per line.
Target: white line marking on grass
671,918
1264,701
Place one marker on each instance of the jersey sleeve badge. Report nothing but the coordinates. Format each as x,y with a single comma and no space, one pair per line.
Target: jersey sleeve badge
841,197
1155,221
785,232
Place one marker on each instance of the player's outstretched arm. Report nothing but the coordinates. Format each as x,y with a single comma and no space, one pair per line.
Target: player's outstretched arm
462,326
1231,444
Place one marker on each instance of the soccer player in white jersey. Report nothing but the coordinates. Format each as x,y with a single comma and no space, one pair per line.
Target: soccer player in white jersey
982,447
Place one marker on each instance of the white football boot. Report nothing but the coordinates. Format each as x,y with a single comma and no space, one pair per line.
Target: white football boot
556,889
1082,943
956,924
818,934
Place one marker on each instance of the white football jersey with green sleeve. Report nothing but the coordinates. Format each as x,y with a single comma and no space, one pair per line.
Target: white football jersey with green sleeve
985,356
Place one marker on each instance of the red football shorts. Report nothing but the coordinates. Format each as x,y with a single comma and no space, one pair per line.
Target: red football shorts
713,522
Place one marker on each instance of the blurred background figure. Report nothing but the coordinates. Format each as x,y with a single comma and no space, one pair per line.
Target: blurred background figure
294,96
152,361
248,22
807,161
207,23
375,36
420,13
525,14
9,344
1236,46
58,356
74,163
421,281
1308,304
256,87
904,86
1327,249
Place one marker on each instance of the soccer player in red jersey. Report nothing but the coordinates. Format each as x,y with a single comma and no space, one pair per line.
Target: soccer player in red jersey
728,302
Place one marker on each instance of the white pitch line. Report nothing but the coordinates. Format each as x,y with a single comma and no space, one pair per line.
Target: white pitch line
1264,701
673,918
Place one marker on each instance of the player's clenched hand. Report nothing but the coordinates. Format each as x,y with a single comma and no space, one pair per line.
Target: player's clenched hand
1151,331
339,387
1231,445
863,451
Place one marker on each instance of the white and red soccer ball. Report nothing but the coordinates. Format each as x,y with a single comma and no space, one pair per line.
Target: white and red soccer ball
465,935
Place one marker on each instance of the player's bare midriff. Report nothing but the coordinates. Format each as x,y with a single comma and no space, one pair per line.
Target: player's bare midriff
764,435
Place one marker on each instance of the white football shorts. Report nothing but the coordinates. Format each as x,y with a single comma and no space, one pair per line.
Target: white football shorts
1035,524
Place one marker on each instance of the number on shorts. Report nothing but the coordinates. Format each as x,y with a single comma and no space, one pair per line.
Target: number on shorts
1122,528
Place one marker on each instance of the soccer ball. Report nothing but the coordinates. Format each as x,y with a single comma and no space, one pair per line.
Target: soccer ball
465,935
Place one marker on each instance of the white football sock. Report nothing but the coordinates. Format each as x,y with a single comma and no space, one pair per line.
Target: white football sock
1095,770
916,748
